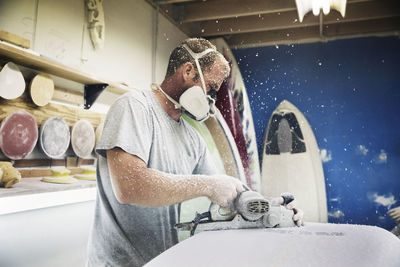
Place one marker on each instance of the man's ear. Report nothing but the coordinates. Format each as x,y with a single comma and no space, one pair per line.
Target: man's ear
188,71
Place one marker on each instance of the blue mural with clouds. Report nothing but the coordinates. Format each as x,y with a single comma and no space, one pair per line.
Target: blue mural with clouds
349,91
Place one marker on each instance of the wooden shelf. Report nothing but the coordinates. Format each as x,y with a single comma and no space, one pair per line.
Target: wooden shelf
41,114
29,59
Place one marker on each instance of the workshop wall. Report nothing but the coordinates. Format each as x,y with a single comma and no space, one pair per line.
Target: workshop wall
58,30
349,92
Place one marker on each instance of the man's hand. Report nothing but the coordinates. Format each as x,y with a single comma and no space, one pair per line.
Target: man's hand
223,189
288,201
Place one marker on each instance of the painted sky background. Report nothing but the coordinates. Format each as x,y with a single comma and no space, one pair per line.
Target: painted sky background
349,91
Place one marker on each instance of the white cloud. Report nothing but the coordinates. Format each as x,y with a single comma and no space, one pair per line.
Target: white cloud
386,201
325,155
382,157
362,150
336,214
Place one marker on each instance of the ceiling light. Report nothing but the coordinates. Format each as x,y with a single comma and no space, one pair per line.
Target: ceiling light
305,6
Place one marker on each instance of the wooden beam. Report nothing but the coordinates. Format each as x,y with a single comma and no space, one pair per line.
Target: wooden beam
378,27
211,10
34,173
289,36
362,27
68,96
167,12
32,163
41,114
38,163
220,9
167,2
15,39
355,12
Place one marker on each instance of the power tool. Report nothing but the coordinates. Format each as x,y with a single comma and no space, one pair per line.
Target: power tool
249,210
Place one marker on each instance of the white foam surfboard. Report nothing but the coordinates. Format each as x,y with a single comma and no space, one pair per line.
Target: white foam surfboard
291,162
226,146
247,118
12,82
54,137
83,138
314,245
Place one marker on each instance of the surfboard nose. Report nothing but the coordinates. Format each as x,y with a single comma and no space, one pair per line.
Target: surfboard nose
285,106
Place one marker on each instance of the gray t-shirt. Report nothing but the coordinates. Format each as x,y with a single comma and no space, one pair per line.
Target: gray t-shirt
126,234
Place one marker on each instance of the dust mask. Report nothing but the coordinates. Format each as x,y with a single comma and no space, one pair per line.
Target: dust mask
195,102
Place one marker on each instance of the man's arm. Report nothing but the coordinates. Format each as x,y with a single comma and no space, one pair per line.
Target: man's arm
134,183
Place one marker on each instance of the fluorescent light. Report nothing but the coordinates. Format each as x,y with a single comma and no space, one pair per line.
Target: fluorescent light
305,6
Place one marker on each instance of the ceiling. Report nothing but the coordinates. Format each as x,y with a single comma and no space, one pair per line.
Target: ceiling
250,23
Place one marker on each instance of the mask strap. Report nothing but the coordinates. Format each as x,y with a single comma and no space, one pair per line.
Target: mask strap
196,57
155,86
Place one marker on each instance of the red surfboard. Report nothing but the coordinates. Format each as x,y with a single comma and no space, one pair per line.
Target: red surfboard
225,103
18,135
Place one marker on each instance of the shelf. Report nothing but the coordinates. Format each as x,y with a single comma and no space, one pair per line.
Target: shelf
32,60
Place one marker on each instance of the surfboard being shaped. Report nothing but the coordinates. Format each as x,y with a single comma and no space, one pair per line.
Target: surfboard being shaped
291,162
314,245
189,208
243,106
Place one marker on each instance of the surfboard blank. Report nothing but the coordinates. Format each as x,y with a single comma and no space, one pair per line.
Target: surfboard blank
12,82
291,162
83,138
54,137
313,245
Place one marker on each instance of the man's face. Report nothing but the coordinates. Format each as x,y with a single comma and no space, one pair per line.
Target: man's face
213,78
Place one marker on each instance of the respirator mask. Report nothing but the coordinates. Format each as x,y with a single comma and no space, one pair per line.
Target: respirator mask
195,102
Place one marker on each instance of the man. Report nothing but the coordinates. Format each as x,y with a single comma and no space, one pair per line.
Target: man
150,159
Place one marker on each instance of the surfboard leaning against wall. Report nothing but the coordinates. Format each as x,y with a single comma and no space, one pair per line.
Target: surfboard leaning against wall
242,104
291,162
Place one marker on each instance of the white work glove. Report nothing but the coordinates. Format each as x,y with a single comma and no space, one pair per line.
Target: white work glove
223,189
287,200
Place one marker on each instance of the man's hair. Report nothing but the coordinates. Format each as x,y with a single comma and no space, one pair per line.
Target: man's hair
180,56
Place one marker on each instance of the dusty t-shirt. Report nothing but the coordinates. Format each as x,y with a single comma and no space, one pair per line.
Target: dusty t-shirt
126,234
